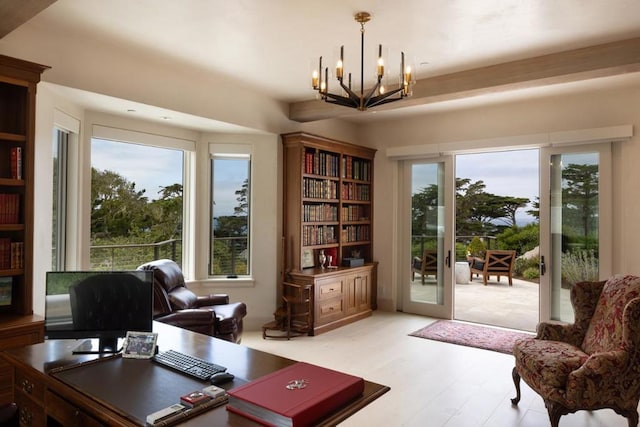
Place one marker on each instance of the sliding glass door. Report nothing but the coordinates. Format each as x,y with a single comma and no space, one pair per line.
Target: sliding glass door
428,285
575,225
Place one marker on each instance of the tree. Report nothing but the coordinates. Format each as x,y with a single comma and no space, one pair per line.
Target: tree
580,197
167,213
117,208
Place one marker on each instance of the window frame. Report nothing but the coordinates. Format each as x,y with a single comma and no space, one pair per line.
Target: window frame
221,151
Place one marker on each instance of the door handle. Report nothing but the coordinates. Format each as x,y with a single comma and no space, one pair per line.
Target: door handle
447,260
543,266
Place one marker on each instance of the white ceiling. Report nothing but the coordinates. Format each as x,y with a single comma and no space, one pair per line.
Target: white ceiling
273,44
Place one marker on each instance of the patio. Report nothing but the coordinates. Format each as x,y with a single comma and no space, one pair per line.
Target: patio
497,304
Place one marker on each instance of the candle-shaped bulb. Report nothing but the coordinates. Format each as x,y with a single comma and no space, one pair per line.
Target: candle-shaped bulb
339,69
407,74
315,77
380,62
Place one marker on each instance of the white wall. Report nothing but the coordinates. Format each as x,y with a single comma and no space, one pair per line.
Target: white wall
569,112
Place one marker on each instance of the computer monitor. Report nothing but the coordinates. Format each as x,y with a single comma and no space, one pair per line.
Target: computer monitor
102,305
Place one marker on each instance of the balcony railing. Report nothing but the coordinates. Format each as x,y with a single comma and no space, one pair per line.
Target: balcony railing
422,242
130,256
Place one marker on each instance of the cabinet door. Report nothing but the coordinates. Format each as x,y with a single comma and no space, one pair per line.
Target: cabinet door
357,295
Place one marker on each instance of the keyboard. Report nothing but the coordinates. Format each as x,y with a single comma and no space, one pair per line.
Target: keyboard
188,365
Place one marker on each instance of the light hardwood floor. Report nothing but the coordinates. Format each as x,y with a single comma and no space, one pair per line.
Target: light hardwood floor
432,383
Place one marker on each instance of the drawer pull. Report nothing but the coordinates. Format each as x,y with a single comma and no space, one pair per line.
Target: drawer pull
27,386
25,417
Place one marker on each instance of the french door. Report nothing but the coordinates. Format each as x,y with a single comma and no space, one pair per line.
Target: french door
575,223
428,189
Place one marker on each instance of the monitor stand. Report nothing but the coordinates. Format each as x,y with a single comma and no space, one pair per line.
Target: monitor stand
98,346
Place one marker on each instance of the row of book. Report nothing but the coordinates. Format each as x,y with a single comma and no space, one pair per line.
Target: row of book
11,254
318,235
354,213
9,208
356,169
321,212
351,191
316,162
319,188
321,163
356,233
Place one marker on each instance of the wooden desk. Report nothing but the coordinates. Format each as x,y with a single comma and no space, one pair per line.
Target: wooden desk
42,396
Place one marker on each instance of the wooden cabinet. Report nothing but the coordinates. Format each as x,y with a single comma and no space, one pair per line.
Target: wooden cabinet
328,209
18,325
340,296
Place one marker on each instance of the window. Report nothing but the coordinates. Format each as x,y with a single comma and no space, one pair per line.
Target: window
136,204
59,181
229,254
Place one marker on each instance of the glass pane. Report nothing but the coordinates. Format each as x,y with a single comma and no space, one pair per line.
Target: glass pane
427,232
136,210
574,227
229,254
59,188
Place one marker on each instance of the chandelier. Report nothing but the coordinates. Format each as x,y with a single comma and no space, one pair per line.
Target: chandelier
377,95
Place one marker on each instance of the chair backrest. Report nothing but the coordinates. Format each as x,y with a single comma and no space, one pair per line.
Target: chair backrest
605,329
167,280
499,261
430,260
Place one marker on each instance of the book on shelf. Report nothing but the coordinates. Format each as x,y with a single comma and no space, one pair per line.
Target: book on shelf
16,162
9,208
298,395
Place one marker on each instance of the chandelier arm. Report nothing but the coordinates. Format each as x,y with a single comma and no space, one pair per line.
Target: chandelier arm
371,93
342,100
352,94
384,99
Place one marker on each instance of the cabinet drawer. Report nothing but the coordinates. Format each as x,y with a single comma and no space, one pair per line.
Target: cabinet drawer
68,414
329,289
329,311
30,413
29,385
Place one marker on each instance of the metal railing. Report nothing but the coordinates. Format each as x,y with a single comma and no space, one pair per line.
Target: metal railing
130,256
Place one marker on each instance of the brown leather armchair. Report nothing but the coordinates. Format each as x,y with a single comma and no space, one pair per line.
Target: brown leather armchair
175,304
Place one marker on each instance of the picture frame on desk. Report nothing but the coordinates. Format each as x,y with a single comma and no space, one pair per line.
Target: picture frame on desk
308,260
139,345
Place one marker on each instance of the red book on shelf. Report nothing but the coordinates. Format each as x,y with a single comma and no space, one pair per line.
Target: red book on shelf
16,163
298,395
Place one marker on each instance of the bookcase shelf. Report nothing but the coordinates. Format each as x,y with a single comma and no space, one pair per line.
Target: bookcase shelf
328,207
18,325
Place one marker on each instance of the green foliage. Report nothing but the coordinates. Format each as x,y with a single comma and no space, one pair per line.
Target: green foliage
522,239
531,273
522,264
579,266
476,248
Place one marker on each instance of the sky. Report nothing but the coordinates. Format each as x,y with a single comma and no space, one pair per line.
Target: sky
505,173
149,167
152,168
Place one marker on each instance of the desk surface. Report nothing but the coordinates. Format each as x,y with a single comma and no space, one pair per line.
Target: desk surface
245,363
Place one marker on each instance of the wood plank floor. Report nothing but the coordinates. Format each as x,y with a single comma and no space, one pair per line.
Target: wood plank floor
432,383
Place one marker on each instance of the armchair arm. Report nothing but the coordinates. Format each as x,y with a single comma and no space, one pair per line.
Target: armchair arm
211,299
189,318
560,332
631,328
602,374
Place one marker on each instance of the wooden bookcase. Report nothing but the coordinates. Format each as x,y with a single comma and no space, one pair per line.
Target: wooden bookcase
328,207
18,325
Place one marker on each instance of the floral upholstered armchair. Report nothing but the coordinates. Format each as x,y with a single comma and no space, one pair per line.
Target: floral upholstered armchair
593,363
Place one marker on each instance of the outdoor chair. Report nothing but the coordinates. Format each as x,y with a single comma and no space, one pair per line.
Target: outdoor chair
593,363
425,266
495,263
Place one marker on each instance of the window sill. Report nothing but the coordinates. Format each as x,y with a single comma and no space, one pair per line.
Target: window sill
223,282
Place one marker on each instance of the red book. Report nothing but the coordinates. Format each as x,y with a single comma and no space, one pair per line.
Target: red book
298,395
16,163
